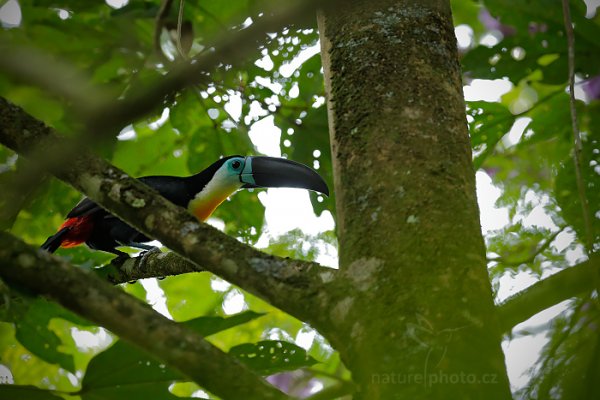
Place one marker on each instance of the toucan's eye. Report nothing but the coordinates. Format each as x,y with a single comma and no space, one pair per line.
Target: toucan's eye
236,164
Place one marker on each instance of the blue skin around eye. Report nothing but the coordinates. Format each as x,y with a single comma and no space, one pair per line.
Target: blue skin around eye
247,171
231,167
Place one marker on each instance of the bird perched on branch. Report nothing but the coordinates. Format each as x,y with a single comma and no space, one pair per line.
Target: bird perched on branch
201,194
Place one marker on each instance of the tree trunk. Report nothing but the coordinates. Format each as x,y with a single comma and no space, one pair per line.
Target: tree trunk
422,324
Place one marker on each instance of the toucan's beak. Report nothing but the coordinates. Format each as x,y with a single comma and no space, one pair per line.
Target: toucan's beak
278,172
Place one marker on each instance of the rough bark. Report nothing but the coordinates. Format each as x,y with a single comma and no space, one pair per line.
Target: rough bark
39,272
149,265
422,323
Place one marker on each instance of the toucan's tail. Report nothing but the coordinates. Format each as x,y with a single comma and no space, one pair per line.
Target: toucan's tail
72,232
54,241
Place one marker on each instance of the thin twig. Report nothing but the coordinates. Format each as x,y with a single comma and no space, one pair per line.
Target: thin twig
480,159
589,240
179,23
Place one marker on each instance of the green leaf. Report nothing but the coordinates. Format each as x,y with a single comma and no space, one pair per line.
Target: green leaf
190,295
206,140
243,215
467,12
213,17
567,191
539,34
40,218
299,245
490,122
34,333
522,14
124,372
516,246
154,152
16,392
310,138
137,9
551,119
207,326
268,357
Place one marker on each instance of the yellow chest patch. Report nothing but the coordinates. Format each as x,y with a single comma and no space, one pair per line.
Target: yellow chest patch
203,209
206,202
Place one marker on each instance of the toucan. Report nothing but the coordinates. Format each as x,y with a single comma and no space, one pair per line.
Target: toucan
201,194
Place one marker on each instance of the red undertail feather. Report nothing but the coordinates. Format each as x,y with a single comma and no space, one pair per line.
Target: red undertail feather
80,229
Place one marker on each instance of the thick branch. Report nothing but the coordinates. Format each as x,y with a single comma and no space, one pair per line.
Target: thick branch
80,291
290,285
548,292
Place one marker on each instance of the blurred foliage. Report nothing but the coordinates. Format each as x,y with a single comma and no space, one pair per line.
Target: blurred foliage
523,142
560,374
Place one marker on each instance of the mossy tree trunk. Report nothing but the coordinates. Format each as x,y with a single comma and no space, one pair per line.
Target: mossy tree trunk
422,324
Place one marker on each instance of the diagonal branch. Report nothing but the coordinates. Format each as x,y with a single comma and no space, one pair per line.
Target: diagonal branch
229,48
93,103
59,78
26,267
297,287
550,291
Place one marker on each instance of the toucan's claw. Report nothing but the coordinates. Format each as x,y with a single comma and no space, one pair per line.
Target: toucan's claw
145,255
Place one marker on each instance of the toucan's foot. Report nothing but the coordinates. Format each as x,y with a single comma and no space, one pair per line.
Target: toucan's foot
146,254
120,259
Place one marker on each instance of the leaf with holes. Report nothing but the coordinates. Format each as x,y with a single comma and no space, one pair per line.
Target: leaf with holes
268,357
125,372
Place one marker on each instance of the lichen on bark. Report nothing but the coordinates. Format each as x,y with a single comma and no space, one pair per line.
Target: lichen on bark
405,196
